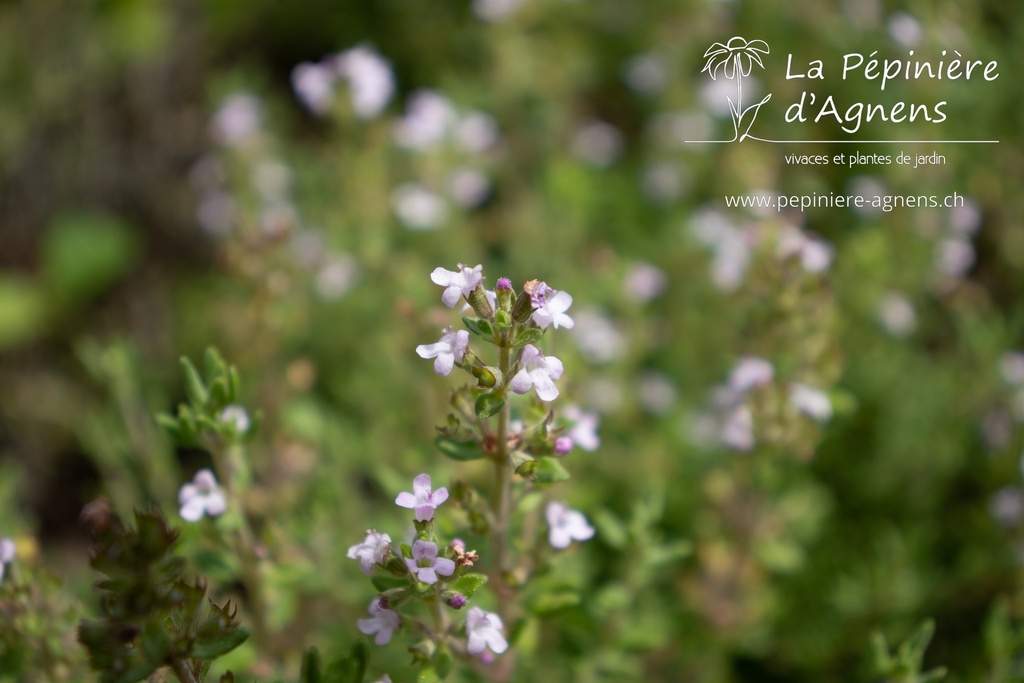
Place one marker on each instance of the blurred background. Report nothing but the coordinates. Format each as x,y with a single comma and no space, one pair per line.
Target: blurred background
279,180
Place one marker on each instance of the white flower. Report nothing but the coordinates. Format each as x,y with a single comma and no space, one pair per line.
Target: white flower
484,631
429,118
314,86
597,337
422,500
566,525
584,429
644,281
814,403
469,187
425,565
477,132
645,74
494,10
549,307
896,314
373,550
236,417
417,207
814,254
369,77
7,551
382,621
1011,367
203,496
237,119
737,429
537,371
597,143
457,283
749,373
446,352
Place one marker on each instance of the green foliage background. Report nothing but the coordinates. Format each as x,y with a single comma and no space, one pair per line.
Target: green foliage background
774,565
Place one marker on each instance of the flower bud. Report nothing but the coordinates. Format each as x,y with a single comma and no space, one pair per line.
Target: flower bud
563,445
523,308
503,290
487,376
478,300
455,600
394,597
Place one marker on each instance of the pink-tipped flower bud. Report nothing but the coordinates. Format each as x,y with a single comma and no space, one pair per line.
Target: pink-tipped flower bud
457,601
503,291
563,445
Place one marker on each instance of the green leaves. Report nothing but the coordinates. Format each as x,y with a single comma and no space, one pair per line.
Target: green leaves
904,665
528,335
488,404
469,584
459,450
479,327
343,669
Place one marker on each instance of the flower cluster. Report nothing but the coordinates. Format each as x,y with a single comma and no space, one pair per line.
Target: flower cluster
371,83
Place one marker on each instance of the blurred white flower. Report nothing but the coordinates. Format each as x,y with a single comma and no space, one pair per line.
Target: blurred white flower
336,277
965,220
477,132
749,373
814,254
483,630
202,496
273,180
812,402
1011,367
469,187
597,143
370,80
566,525
597,337
644,281
1007,506
7,553
645,74
870,189
382,622
584,427
429,119
662,183
737,429
417,207
237,120
278,218
235,417
657,393
494,10
314,86
731,248
905,29
216,213
954,257
896,314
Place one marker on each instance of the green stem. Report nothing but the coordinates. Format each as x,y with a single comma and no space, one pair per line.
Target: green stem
500,503
440,616
182,671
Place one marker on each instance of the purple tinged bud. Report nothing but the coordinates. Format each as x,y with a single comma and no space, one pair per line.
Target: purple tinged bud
563,445
503,284
457,601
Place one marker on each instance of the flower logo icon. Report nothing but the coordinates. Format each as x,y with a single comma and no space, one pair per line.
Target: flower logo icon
736,59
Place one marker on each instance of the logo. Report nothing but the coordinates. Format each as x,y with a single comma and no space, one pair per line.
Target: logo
735,60
821,102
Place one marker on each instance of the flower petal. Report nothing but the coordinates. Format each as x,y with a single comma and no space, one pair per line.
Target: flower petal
521,383
406,500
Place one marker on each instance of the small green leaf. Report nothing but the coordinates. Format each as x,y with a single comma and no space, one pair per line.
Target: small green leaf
502,320
550,470
459,450
479,327
211,648
528,335
469,584
422,590
488,404
443,663
194,387
359,659
155,643
311,671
